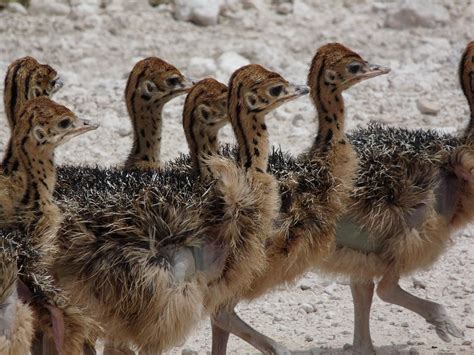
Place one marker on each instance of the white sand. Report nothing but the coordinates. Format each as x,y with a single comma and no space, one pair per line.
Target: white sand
95,50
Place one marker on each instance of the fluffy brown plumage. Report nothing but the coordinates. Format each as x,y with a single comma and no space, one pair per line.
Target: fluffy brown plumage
140,247
314,189
414,189
408,197
27,206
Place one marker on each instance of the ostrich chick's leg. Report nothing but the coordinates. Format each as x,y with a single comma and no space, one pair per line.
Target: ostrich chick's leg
229,321
220,338
390,291
362,295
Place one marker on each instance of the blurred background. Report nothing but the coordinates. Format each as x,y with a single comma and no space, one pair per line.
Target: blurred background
95,43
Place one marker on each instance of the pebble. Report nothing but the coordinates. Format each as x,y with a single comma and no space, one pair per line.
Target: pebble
124,132
201,67
330,315
404,325
417,283
428,107
308,338
200,12
158,2
470,325
189,352
49,7
252,4
17,8
284,9
307,308
228,62
466,342
303,287
417,14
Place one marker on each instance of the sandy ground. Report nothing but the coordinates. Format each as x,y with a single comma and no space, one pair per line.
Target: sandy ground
94,49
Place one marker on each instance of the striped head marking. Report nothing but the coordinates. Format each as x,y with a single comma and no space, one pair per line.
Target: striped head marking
26,79
48,124
154,79
206,104
258,90
338,68
466,74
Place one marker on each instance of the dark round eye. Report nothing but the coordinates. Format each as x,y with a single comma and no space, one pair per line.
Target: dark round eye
205,113
276,90
172,81
65,123
353,68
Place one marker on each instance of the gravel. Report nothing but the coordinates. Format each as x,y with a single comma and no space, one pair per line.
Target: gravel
94,44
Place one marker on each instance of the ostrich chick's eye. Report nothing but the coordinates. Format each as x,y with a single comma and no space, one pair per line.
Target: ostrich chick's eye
276,90
172,81
65,123
353,68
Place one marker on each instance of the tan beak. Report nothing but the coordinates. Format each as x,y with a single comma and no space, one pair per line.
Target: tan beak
83,126
374,70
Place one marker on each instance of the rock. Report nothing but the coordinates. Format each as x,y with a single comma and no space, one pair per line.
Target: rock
428,107
200,12
303,286
307,308
16,8
417,283
154,3
189,352
417,14
200,67
404,325
284,9
466,342
252,4
330,315
124,132
228,62
470,325
308,338
54,8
